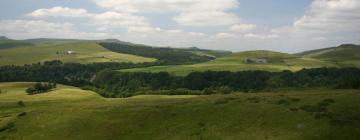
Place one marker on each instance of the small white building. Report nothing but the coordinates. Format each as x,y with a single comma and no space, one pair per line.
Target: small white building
70,52
256,60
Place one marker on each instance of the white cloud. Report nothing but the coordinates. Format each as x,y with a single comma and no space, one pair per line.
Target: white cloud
123,20
331,16
191,12
225,35
43,29
59,12
320,38
242,27
106,20
261,36
161,37
146,6
143,29
206,18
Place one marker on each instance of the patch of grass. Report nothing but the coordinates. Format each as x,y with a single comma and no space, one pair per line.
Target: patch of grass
295,99
220,102
253,99
283,102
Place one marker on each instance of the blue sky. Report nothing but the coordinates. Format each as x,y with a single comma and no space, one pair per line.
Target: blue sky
237,25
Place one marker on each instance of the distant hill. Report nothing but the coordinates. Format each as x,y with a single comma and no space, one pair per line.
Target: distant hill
344,55
166,55
2,38
6,43
276,61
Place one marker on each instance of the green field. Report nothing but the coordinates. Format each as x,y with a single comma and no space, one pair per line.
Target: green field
86,52
71,113
235,62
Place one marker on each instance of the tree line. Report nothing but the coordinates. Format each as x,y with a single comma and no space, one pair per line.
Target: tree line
120,84
73,74
102,78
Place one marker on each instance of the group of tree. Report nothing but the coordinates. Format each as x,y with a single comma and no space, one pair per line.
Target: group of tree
164,55
118,84
40,88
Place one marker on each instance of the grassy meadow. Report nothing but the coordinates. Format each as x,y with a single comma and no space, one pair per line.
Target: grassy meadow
235,62
72,113
86,52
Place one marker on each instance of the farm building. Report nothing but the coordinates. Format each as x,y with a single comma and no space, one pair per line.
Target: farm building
70,52
256,60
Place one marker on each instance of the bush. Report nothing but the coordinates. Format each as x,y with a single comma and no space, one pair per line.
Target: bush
30,90
21,103
40,88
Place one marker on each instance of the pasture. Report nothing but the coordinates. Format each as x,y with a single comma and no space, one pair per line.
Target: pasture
72,113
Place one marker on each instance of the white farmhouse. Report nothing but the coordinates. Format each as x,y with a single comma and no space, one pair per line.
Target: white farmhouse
70,52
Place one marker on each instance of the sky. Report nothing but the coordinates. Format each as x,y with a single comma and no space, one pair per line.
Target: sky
235,25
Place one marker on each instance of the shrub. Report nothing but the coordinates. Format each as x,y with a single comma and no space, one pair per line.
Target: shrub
40,88
21,103
30,90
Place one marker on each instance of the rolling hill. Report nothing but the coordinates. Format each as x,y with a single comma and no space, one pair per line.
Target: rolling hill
83,52
71,113
236,62
19,52
166,55
343,55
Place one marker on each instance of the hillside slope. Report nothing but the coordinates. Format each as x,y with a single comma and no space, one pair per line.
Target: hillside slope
72,113
344,55
236,62
165,55
82,52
